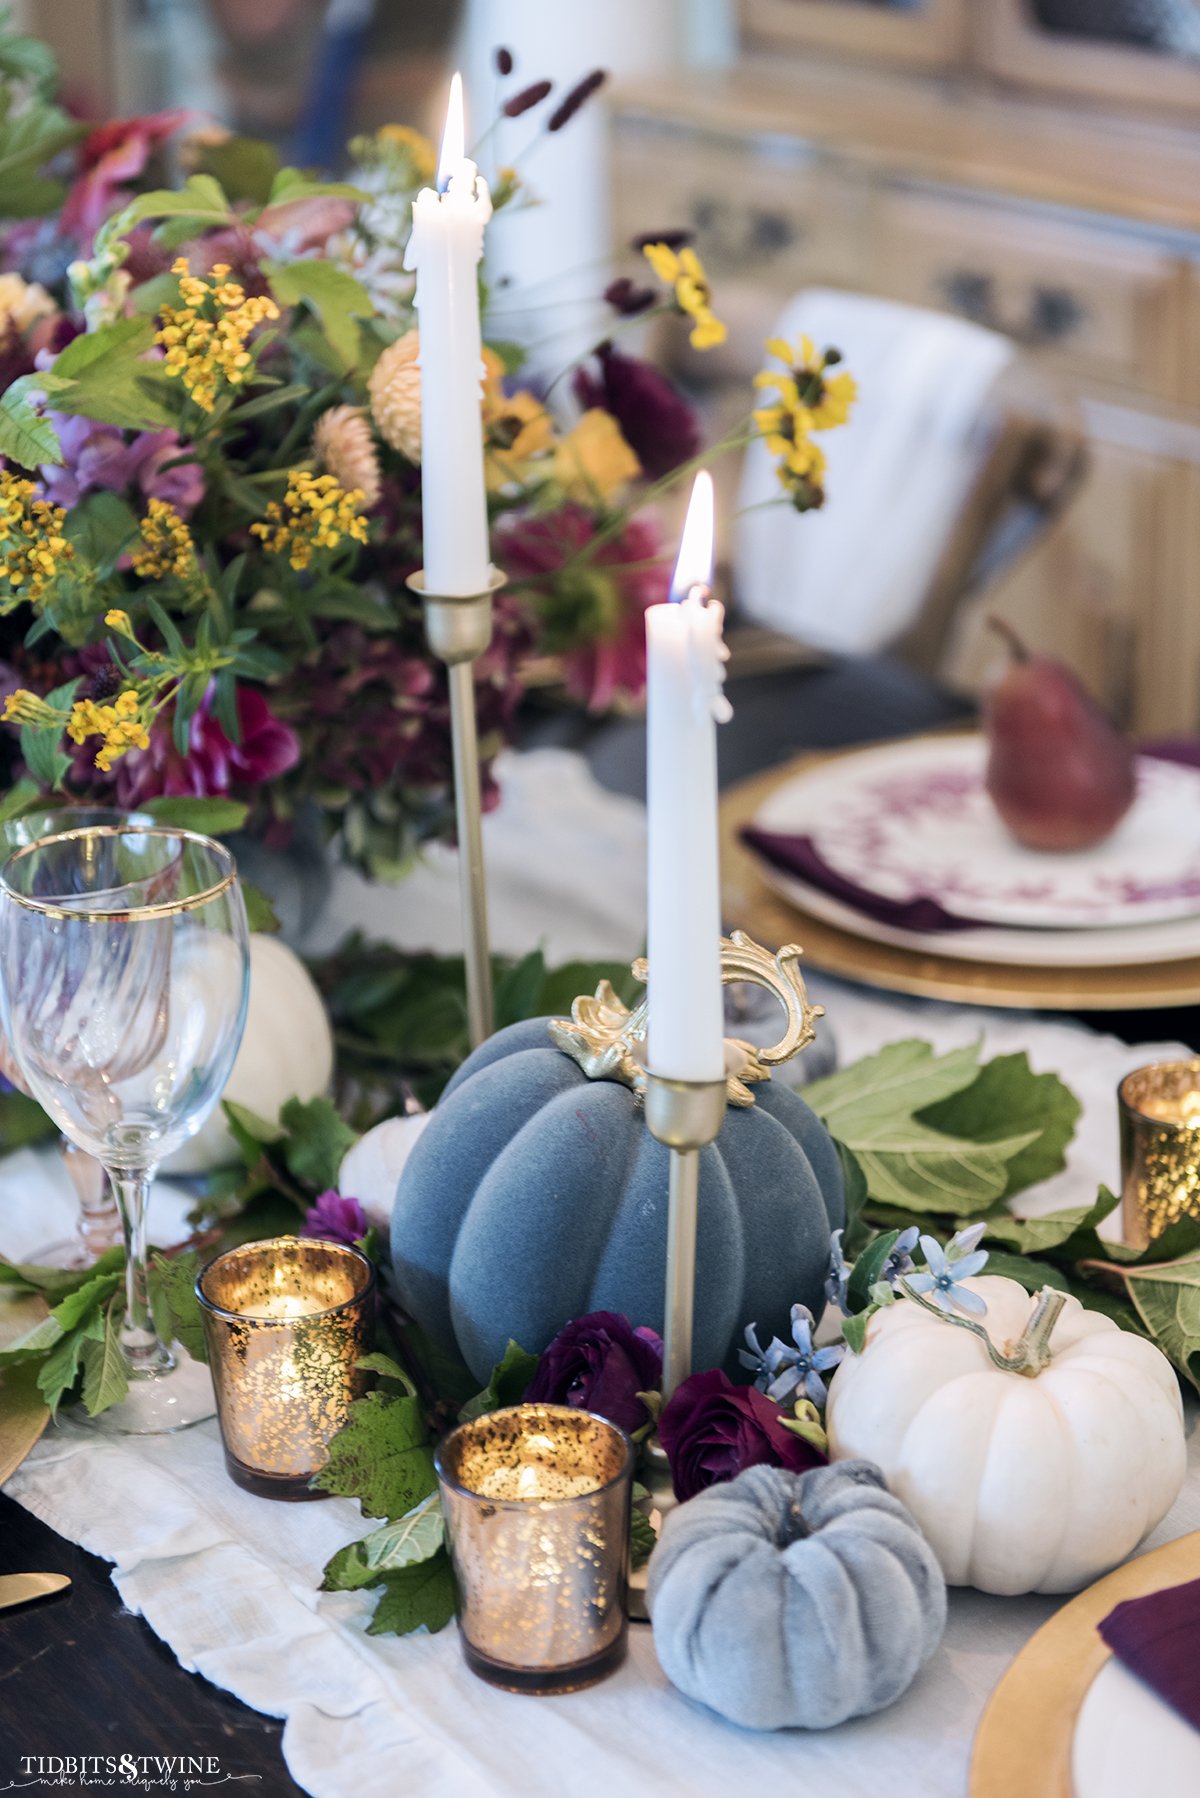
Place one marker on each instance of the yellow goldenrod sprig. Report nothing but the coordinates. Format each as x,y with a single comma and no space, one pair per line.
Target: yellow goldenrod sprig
165,546
122,726
683,271
205,338
315,513
33,548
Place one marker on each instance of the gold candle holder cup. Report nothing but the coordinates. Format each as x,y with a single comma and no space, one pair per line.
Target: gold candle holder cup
1159,1108
536,1500
286,1321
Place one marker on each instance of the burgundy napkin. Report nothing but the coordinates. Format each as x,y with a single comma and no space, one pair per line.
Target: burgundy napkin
800,856
1158,1638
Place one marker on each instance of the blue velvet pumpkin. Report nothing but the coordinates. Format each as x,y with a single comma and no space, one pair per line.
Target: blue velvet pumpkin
535,1195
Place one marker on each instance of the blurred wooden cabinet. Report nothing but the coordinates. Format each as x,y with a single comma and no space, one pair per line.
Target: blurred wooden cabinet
1075,231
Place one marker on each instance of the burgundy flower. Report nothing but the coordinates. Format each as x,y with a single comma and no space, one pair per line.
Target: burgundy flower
713,1430
583,90
336,1219
591,613
656,421
110,159
213,765
627,298
600,1363
527,99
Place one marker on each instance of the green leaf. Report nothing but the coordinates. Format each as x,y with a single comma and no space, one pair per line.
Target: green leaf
173,1296
40,1337
1027,1272
260,913
421,1595
871,1108
564,985
518,993
1064,1230
868,1268
338,300
92,1296
23,1123
60,1369
412,1538
387,1369
54,1283
317,1141
105,1376
26,436
514,356
854,1329
857,1233
201,201
29,139
381,1456
20,798
101,526
509,1379
642,1538
27,59
211,817
1168,1302
1006,1098
107,377
255,1132
294,184
246,167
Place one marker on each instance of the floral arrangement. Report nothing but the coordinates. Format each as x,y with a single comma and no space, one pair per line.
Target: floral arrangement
210,442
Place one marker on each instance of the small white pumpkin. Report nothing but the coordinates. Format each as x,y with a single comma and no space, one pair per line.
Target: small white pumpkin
1034,1481
286,1053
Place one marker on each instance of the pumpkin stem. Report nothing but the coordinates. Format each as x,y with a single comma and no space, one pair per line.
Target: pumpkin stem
1030,1354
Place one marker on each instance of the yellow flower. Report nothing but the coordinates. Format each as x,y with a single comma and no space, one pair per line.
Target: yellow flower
411,146
24,707
33,548
683,271
205,338
315,514
593,461
394,388
120,725
516,427
120,622
166,546
807,384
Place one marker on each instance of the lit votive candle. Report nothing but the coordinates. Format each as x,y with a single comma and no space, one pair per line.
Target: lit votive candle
536,1500
1160,1148
286,1322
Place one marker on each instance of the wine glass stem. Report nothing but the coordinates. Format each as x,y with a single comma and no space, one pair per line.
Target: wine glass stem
144,1351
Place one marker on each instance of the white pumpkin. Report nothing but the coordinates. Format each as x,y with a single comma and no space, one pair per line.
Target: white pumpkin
286,1053
1022,1482
371,1168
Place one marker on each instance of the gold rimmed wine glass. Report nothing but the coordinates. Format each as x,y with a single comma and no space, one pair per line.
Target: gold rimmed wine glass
124,972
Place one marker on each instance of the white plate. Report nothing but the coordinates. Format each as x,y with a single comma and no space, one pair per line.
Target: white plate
1128,1741
912,820
1125,946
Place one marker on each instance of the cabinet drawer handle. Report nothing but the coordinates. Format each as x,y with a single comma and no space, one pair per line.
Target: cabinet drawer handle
1054,313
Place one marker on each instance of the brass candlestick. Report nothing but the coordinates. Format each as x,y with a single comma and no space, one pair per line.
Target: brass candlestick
686,1115
458,628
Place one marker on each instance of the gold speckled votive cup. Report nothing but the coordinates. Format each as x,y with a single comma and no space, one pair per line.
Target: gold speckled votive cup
536,1500
1160,1148
285,1322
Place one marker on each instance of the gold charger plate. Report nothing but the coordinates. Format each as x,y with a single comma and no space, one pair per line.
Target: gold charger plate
23,1412
751,905
1023,1743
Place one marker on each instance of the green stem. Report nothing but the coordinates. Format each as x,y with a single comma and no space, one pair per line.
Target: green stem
1030,1354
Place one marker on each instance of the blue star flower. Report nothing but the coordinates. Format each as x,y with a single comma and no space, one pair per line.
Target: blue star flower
943,1274
900,1260
780,1371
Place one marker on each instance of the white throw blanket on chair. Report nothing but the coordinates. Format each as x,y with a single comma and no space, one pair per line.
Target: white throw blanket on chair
853,577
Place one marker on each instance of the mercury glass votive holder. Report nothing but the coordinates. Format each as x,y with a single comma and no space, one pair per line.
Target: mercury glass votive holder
536,1500
286,1322
1160,1148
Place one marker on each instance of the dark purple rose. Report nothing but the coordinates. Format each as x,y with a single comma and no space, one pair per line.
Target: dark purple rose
336,1219
656,421
713,1430
600,1363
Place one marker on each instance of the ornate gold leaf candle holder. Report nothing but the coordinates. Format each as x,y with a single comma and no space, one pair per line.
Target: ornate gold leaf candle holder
1160,1148
536,1500
285,1321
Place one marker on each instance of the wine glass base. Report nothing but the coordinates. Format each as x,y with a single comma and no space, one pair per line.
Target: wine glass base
71,1254
158,1404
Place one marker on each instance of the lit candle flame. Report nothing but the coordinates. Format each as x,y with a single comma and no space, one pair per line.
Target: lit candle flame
454,137
694,566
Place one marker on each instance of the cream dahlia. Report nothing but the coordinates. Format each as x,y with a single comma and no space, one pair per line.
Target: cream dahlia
395,389
343,445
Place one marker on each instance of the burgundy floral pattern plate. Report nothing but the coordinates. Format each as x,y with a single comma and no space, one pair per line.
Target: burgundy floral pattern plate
913,820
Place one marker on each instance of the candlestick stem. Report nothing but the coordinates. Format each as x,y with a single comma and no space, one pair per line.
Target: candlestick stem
458,629
682,1207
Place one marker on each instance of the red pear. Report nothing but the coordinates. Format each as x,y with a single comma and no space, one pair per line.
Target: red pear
1059,772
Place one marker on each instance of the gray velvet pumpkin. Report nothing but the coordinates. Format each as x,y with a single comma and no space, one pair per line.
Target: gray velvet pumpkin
535,1195
785,1600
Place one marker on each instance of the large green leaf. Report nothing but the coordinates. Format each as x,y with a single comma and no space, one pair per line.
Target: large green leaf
1073,1230
338,300
105,1375
509,1378
381,1456
29,139
414,1537
318,1140
421,1596
26,435
108,379
1167,1298
1005,1098
201,201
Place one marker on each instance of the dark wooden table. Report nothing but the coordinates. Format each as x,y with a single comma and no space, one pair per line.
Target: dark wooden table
81,1676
